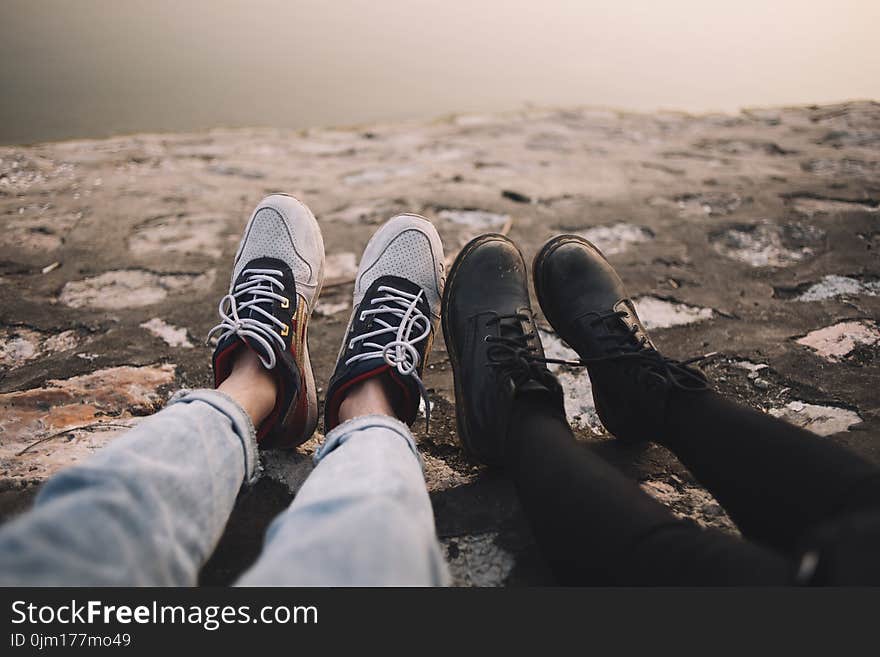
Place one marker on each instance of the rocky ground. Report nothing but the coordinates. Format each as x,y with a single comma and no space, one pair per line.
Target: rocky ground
753,236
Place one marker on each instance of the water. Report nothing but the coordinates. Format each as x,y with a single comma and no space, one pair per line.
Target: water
90,68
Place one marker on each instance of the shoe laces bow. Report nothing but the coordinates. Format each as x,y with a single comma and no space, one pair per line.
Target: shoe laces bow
408,325
257,289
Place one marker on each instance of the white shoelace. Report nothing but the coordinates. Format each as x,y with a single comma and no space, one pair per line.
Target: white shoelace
400,353
259,285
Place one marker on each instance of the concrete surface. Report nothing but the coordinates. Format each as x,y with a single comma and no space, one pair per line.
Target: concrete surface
754,236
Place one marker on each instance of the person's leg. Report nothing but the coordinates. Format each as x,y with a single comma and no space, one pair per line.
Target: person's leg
363,516
149,508
776,481
595,526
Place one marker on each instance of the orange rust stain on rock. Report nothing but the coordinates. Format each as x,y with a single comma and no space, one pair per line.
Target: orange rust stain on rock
73,417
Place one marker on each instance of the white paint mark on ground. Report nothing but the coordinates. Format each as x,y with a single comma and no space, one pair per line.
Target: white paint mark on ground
328,308
340,266
421,411
20,345
202,234
372,176
821,420
754,373
844,167
361,212
172,335
616,238
476,560
472,120
659,313
699,205
61,342
750,367
814,206
768,245
835,342
327,148
440,152
129,288
832,286
690,502
577,388
478,219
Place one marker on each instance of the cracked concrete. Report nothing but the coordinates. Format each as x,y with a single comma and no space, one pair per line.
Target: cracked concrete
740,235
131,288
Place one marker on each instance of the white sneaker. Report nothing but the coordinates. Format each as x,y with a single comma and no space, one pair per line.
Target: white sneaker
276,279
396,304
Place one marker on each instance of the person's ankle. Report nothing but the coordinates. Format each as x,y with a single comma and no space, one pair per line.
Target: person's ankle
370,397
251,385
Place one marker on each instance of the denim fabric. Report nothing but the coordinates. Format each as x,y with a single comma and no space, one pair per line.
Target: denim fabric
148,509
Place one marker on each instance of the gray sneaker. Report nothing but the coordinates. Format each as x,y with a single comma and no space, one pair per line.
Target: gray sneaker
396,311
276,279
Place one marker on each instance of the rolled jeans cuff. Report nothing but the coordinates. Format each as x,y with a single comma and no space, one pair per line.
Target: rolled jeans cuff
241,424
347,429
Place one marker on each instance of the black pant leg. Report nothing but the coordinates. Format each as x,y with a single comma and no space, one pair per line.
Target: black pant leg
595,526
776,481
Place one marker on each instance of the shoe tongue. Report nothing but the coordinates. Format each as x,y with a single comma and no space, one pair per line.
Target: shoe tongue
247,274
271,306
511,327
608,325
615,326
407,404
392,316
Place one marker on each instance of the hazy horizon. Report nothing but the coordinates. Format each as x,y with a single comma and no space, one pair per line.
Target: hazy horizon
94,68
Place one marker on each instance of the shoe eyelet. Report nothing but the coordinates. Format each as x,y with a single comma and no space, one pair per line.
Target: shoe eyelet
285,303
285,331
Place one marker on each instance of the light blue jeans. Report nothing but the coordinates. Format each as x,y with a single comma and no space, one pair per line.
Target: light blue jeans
148,509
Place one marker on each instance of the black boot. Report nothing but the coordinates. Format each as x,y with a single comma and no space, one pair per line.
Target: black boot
585,301
493,344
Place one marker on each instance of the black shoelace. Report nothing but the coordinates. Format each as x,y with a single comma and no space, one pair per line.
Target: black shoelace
514,355
626,344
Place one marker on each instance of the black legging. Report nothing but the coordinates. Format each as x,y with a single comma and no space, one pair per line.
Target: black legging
787,490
